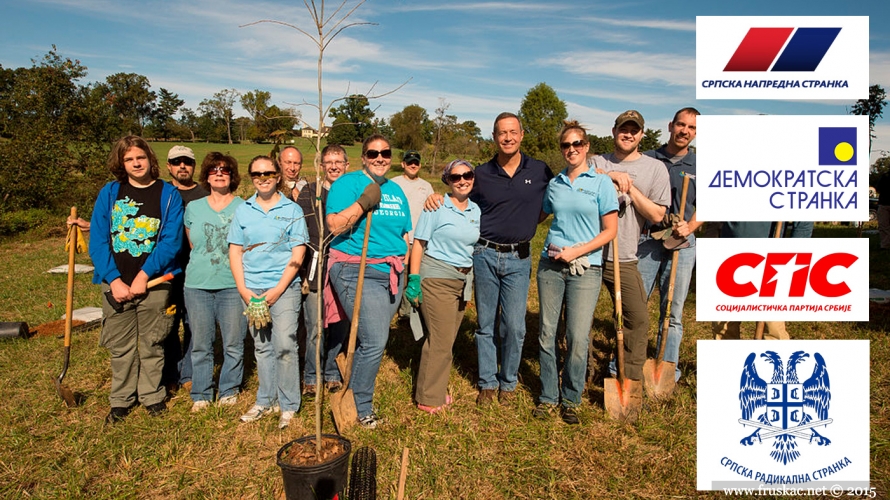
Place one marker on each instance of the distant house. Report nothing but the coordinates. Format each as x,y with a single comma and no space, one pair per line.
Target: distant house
311,133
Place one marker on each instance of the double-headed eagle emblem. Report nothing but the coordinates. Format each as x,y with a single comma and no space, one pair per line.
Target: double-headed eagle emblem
783,409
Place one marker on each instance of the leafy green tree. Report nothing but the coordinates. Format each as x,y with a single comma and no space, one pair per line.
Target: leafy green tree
651,140
381,127
542,113
256,103
342,132
188,122
168,104
129,96
873,107
355,113
219,108
601,145
410,127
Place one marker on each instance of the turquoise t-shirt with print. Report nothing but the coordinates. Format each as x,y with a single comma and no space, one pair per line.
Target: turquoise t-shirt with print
208,267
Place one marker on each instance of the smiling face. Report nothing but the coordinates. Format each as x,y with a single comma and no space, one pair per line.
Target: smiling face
334,166
576,152
462,187
682,132
137,166
627,137
291,163
379,165
220,177
411,168
265,184
508,135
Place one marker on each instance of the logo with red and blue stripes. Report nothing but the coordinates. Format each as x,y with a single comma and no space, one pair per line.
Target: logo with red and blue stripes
803,52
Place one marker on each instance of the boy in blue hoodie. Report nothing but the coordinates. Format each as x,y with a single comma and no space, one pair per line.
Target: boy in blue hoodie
136,232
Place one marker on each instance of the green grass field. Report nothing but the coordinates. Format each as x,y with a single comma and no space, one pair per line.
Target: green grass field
50,451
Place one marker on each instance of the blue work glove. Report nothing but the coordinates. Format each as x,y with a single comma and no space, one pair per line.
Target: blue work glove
412,291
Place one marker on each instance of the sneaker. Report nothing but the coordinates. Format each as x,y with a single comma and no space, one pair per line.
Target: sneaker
486,397
434,409
370,421
285,418
333,386
228,400
117,414
256,412
308,391
200,405
506,397
544,411
569,416
156,409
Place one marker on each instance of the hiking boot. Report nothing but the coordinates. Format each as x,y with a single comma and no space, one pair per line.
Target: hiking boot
333,386
569,416
544,411
198,406
117,414
308,391
285,418
486,397
186,387
370,421
228,400
506,397
156,409
256,412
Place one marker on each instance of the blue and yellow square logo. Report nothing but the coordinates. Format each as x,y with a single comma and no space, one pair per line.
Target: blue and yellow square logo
837,145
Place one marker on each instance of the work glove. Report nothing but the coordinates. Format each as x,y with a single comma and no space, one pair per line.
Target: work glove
579,265
413,292
369,197
258,313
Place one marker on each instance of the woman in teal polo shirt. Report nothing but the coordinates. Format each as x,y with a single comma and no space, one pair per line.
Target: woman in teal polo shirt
350,199
266,247
441,280
584,207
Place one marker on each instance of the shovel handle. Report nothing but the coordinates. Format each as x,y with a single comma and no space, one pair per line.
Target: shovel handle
616,267
356,308
69,299
675,257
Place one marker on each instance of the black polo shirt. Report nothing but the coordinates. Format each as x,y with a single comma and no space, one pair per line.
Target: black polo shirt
511,206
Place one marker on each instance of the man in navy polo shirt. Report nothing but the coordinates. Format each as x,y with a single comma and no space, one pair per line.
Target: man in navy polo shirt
510,191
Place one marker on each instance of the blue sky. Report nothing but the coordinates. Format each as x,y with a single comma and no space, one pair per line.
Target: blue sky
481,57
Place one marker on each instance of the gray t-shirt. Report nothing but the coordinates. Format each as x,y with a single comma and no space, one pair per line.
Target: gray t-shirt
651,178
417,191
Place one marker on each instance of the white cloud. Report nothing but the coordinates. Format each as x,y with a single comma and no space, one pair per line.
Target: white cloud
663,24
635,66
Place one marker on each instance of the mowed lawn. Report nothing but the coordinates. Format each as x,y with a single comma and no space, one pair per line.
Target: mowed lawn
49,451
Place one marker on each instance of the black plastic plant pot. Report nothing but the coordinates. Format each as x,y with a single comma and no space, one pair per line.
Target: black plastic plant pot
323,481
13,330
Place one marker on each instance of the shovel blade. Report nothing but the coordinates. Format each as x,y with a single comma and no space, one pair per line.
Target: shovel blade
658,379
341,365
65,393
623,401
343,408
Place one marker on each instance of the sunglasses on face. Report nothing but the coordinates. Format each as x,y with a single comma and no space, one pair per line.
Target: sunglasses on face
262,176
467,176
373,153
575,144
182,159
412,162
220,169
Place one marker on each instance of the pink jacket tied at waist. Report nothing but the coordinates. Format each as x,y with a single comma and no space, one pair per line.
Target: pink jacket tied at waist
333,310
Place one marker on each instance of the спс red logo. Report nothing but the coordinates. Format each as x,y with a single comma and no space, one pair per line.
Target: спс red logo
817,274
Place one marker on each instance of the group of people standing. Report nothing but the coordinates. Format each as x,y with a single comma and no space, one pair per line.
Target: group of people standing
255,263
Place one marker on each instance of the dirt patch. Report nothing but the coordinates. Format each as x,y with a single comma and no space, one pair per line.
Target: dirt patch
303,453
54,328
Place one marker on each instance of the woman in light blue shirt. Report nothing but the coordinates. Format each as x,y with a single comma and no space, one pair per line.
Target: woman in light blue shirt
441,267
584,207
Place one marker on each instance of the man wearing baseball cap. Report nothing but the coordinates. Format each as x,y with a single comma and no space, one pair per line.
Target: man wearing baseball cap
416,190
644,193
178,365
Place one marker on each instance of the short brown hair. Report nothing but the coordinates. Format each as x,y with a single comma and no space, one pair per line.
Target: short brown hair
690,110
120,148
374,137
568,126
504,116
213,159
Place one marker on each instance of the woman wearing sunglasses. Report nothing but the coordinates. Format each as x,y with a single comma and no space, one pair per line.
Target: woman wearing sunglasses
441,280
584,207
350,199
266,246
211,295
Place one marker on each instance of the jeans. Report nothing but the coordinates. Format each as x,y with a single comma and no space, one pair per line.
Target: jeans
206,309
332,337
502,280
377,309
277,352
556,286
655,259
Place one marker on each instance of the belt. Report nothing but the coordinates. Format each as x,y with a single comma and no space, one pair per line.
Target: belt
505,247
463,270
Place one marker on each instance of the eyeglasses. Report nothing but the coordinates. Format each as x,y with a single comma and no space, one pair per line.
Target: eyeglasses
575,144
335,163
415,163
219,169
467,176
262,176
182,159
373,153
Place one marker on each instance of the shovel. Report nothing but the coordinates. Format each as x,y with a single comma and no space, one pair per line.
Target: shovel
64,392
658,374
623,397
758,331
343,402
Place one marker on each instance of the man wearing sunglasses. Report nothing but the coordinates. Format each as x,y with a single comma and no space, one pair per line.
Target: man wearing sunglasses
644,184
178,365
417,191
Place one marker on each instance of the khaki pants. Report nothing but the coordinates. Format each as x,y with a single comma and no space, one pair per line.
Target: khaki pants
443,310
134,338
635,314
730,330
